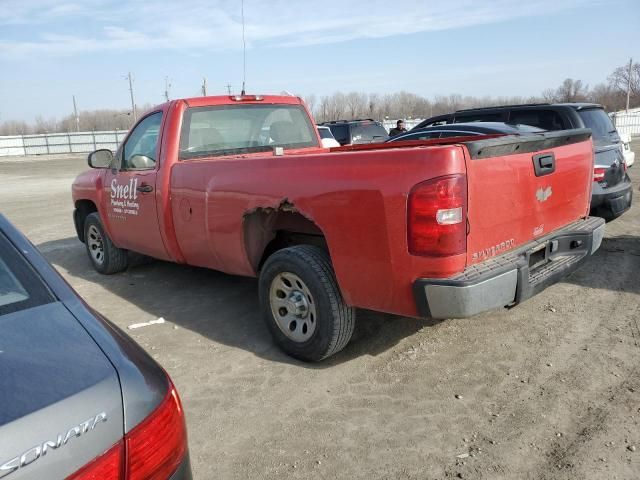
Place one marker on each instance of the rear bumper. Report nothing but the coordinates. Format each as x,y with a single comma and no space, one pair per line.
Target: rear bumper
612,201
511,278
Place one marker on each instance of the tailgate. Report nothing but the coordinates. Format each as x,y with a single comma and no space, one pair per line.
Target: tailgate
522,188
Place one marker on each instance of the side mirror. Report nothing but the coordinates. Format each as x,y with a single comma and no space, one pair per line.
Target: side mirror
100,158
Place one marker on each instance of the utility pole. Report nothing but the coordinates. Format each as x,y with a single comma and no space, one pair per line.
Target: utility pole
204,86
629,83
75,113
228,88
133,103
167,86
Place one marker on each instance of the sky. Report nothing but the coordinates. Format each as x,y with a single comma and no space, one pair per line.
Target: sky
53,49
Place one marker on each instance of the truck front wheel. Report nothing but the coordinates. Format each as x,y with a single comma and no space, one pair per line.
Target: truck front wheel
302,304
104,255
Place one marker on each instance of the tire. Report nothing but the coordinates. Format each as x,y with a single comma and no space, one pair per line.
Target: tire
317,323
105,257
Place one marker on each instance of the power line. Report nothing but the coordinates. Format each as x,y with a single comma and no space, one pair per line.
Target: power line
228,88
204,86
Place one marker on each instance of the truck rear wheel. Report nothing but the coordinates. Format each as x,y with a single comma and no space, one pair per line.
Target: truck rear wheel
104,255
302,304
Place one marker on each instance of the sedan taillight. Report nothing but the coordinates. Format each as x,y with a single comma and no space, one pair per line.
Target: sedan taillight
156,446
153,450
108,466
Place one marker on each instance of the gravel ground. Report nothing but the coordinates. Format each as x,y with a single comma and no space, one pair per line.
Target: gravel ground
547,390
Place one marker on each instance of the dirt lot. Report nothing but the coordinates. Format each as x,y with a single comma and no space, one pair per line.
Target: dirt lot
550,389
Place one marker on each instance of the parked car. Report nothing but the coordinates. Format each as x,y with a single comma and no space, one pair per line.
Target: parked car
356,132
612,189
465,129
326,137
629,155
443,231
78,398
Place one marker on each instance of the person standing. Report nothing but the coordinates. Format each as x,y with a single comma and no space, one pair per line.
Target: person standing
398,130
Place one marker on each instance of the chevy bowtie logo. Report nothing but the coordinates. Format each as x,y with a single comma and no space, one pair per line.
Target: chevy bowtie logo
543,194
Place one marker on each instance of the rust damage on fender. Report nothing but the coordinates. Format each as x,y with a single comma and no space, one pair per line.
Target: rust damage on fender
272,227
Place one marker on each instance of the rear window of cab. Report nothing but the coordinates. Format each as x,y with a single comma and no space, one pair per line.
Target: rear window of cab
236,129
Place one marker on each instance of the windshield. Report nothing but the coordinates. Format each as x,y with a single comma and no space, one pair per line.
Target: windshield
235,129
20,286
604,133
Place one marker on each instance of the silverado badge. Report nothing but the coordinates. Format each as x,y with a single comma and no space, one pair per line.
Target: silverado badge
542,194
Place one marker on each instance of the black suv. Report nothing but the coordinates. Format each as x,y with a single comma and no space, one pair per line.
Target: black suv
612,190
353,132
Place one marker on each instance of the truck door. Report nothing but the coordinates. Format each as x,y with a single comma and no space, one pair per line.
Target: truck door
130,190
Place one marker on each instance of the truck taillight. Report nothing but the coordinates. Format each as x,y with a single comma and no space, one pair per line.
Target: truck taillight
153,450
437,217
598,174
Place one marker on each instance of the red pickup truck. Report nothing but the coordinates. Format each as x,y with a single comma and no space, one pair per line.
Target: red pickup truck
441,228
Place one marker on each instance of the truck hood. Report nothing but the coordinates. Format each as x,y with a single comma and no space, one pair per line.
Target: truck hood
56,386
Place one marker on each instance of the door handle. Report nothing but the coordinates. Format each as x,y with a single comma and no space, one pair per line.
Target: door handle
145,188
544,164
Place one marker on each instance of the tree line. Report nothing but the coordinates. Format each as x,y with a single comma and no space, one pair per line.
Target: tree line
88,120
612,95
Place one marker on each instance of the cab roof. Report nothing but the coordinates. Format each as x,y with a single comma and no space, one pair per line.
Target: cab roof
242,99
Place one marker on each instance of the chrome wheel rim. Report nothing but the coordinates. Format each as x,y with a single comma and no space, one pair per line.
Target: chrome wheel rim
95,244
293,307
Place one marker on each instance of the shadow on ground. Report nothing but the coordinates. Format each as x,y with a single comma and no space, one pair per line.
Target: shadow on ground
615,266
221,307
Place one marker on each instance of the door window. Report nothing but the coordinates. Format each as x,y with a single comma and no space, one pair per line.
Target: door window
141,149
544,119
340,133
480,117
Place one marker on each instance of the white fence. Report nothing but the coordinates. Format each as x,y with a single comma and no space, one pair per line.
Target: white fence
627,122
80,142
85,142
